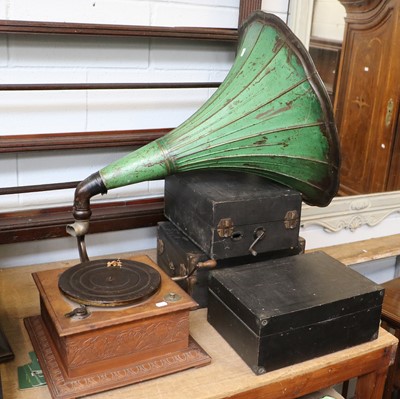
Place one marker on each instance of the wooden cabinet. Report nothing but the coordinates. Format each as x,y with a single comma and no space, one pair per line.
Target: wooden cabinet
367,97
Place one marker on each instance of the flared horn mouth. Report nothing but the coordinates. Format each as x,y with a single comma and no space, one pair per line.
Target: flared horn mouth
271,116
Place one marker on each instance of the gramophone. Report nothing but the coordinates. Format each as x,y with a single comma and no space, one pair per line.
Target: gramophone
270,117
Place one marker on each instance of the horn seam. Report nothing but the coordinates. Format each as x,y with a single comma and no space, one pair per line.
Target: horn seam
254,135
169,163
207,133
269,156
188,143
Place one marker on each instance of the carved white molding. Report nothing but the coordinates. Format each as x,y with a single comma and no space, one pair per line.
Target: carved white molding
352,212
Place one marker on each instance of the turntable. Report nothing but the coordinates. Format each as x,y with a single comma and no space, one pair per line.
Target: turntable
136,329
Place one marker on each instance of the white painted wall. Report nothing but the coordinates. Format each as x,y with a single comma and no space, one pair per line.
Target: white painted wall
277,7
328,19
210,13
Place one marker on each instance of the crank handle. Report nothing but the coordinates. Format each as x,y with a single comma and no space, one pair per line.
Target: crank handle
259,235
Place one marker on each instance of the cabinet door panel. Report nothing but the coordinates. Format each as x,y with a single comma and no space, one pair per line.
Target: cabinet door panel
365,90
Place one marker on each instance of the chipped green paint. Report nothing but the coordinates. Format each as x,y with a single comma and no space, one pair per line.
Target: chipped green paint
271,116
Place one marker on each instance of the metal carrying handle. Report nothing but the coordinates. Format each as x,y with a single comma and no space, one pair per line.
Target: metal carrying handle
208,264
259,234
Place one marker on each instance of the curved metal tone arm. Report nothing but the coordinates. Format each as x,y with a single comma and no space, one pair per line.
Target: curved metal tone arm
83,256
85,190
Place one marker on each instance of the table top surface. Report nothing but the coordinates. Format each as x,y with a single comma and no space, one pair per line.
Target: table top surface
391,303
227,375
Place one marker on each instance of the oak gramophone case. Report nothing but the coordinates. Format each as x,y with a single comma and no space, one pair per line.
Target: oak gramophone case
231,214
108,323
288,310
184,261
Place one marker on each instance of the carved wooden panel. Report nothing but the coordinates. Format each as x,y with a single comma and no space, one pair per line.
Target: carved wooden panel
63,386
367,96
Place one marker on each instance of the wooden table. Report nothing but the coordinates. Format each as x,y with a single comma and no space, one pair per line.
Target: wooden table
226,376
391,320
354,253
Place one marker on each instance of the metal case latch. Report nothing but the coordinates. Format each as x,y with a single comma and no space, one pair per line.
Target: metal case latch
291,219
225,227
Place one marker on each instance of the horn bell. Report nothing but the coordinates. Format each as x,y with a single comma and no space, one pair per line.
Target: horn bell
271,116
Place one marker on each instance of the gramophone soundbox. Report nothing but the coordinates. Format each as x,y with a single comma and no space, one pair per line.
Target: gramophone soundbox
146,335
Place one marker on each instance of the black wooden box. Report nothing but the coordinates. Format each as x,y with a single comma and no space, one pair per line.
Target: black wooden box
284,311
179,257
231,214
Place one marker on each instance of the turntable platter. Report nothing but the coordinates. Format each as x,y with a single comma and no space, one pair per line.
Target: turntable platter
109,282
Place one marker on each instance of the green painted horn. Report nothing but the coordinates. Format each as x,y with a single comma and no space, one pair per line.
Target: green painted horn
271,116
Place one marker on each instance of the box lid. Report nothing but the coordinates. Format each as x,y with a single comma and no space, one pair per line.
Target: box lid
247,198
288,293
